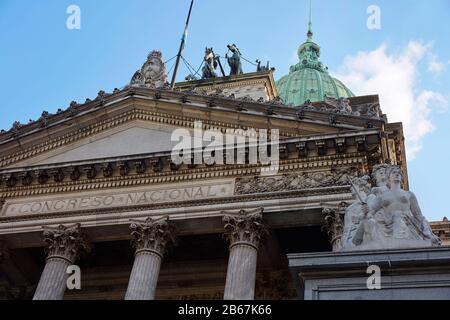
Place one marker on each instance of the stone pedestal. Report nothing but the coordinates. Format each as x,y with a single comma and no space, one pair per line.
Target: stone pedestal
407,274
244,233
64,246
150,238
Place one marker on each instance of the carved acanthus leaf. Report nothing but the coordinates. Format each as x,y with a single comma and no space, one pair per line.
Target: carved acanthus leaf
334,223
245,227
64,242
152,235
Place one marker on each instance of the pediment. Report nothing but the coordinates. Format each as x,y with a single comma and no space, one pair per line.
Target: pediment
138,126
137,137
134,138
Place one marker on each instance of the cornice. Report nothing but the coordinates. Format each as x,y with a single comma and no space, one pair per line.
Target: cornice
212,87
270,109
180,175
134,114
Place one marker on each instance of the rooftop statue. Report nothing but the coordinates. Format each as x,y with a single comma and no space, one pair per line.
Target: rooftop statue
235,60
153,72
386,217
260,67
211,63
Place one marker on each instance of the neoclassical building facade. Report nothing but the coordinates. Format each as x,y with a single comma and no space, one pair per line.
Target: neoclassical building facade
95,186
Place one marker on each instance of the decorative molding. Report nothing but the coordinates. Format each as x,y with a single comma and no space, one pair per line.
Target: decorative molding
135,114
64,242
122,181
295,181
334,223
246,227
152,235
232,85
152,74
338,191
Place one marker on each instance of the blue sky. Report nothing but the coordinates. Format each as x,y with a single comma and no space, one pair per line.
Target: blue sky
44,66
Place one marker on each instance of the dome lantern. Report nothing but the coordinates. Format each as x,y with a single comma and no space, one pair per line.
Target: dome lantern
309,78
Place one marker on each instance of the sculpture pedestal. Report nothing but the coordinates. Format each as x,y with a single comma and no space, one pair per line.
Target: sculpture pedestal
407,274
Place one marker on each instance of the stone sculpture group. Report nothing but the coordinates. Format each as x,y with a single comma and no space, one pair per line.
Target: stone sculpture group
385,216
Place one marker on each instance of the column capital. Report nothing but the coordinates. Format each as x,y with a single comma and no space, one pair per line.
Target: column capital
64,242
152,235
333,223
245,227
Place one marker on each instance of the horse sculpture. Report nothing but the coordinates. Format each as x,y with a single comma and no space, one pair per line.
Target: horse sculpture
209,69
235,60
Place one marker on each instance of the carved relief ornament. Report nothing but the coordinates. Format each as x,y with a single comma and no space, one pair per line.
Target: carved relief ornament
295,181
64,242
246,227
152,235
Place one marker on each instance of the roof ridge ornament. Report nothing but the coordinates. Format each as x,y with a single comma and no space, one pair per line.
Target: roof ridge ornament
152,74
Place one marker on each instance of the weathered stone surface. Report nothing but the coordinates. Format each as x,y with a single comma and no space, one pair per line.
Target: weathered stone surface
153,72
245,231
405,274
386,218
334,224
64,245
114,199
150,238
295,181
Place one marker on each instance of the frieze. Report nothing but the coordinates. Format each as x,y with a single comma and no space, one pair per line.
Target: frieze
295,181
140,197
355,159
301,196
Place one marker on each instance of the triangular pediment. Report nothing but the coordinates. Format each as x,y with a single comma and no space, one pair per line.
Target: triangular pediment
134,138
143,125
137,137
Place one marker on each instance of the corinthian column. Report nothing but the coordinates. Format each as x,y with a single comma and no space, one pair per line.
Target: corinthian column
63,247
245,231
151,239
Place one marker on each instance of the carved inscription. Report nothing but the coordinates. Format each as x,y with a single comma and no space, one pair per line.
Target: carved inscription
112,200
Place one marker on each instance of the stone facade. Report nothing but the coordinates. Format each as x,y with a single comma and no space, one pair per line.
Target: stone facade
87,173
442,230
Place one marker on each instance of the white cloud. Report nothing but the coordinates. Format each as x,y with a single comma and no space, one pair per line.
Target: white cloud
394,76
435,66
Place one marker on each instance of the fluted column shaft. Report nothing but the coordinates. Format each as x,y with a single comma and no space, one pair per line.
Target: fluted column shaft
151,239
64,246
144,276
241,274
245,231
52,284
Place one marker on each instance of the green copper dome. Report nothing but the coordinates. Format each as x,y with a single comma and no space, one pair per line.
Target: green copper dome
309,79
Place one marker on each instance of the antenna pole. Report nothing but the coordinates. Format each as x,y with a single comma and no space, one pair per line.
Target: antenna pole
310,33
183,41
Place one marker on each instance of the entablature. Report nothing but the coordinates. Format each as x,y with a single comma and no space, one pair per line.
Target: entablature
158,167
